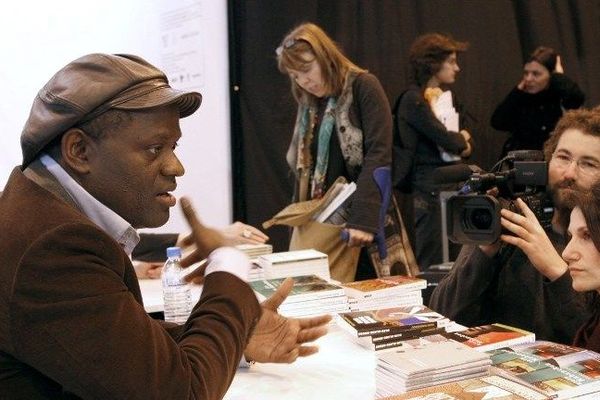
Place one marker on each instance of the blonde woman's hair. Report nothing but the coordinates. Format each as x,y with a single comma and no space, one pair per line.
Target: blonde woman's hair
308,42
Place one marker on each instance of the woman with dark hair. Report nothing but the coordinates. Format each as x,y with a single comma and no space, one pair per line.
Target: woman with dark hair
343,128
532,108
427,142
582,255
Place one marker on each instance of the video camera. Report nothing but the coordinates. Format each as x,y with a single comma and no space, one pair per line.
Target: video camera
473,216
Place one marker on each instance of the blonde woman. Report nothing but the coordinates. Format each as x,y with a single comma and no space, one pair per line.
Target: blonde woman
343,128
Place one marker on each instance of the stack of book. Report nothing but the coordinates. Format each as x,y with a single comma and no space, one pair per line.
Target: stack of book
392,291
556,370
388,327
487,387
427,363
295,263
310,296
253,251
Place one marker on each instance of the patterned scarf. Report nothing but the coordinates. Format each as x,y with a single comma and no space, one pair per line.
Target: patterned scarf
307,125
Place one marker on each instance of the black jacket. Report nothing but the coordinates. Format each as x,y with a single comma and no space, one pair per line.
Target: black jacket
530,118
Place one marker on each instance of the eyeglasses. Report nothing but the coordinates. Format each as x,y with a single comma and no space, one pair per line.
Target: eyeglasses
585,166
286,45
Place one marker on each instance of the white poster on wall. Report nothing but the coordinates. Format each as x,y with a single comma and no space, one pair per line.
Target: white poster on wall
172,35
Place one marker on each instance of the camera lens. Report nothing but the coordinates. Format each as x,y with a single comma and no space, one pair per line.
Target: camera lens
479,218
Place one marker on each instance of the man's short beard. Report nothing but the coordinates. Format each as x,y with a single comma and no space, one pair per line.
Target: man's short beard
564,200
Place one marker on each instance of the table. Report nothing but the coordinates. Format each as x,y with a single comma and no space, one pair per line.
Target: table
341,370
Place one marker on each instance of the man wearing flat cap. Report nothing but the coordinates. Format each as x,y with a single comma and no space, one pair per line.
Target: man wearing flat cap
98,163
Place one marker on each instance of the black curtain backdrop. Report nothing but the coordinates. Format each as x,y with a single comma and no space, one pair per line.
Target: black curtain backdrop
376,35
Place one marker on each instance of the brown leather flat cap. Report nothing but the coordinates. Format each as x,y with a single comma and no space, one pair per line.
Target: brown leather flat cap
92,85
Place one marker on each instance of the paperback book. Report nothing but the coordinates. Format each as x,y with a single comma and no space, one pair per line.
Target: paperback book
557,370
431,362
492,387
492,336
384,287
413,298
385,341
395,319
307,287
335,212
295,263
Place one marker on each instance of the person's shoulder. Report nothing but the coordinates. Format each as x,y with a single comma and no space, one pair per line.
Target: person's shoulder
411,96
366,76
559,78
366,80
413,92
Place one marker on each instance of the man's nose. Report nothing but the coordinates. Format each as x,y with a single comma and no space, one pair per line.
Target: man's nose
173,167
571,170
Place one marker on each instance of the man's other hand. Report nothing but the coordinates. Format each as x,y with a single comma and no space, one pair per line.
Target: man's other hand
240,233
277,339
147,270
204,238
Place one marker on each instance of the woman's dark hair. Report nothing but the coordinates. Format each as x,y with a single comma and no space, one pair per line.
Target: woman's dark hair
545,56
427,54
589,204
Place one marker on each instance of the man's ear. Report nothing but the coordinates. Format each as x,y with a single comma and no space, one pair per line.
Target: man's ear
75,147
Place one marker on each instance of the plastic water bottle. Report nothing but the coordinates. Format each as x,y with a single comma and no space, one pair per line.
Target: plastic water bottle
177,294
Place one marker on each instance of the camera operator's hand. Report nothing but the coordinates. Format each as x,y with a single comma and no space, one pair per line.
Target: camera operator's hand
532,239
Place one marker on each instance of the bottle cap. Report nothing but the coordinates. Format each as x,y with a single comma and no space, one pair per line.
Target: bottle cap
173,252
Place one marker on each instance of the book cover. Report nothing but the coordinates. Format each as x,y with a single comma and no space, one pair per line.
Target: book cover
395,319
291,257
386,341
337,201
492,336
385,302
491,387
382,287
306,287
432,357
558,370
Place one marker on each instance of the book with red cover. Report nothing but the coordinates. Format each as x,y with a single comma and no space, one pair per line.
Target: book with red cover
383,287
492,336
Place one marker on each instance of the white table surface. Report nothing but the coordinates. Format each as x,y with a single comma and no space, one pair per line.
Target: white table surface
340,370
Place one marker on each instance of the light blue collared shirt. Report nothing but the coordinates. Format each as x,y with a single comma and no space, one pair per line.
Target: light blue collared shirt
109,221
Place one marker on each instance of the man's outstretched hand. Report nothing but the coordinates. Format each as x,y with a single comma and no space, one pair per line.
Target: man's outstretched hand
277,339
204,238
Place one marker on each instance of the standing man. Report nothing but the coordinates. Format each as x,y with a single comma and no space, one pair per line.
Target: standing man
98,163
524,282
